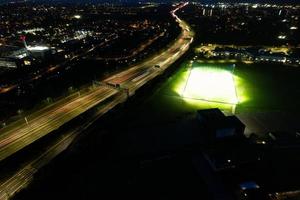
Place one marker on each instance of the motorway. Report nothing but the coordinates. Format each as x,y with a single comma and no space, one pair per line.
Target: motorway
137,76
21,133
14,183
49,120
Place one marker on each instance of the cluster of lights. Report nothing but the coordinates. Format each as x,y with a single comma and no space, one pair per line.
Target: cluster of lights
23,55
37,48
77,16
32,31
282,37
78,35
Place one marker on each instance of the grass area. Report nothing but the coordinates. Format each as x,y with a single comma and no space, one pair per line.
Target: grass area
210,83
259,88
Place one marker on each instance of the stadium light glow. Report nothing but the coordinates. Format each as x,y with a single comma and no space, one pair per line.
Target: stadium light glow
211,84
180,86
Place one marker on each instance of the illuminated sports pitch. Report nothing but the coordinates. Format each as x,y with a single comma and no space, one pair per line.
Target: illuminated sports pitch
211,83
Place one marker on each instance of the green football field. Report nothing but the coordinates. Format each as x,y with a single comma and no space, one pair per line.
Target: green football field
242,88
210,83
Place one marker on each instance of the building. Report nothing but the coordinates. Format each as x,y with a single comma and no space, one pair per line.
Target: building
217,126
12,63
40,52
14,57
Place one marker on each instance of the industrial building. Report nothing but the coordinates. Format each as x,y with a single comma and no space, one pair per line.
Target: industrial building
14,57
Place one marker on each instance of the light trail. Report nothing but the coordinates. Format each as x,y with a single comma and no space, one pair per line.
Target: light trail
18,135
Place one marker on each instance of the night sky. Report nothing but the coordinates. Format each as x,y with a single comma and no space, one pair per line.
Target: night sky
133,1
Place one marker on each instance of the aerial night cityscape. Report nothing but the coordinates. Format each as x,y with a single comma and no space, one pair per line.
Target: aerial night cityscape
162,99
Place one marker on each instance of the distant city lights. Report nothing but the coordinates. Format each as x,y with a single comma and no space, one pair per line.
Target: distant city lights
37,48
27,62
255,6
282,37
77,16
32,31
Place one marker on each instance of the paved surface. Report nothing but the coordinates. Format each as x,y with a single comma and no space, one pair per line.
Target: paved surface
18,135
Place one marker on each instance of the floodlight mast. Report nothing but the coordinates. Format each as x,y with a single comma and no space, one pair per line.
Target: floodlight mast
233,68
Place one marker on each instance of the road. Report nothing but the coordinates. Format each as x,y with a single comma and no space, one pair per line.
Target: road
19,134
129,79
51,119
23,176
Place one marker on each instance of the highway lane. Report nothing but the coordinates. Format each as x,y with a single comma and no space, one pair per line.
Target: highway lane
48,119
21,136
180,46
17,136
23,176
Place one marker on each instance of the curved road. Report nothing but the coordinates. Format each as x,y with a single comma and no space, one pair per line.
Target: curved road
19,134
